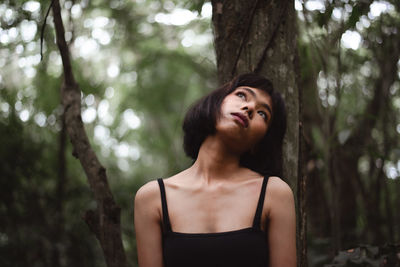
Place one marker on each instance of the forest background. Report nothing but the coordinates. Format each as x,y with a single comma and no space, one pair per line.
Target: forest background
140,64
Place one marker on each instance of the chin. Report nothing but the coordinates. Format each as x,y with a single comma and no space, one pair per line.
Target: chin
234,138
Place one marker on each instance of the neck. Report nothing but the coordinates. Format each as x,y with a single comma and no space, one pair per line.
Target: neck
215,161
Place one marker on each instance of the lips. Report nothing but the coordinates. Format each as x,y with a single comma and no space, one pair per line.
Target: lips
241,118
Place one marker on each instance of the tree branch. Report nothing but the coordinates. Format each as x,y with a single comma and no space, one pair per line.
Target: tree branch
43,27
105,222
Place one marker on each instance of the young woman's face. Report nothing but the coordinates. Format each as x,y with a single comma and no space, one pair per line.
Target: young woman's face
244,117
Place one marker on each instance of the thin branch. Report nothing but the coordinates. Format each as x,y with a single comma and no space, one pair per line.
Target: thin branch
63,46
105,220
42,31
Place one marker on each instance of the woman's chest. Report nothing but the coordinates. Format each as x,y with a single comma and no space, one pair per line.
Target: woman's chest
210,212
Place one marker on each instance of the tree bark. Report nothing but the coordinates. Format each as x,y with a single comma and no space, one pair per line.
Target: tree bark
260,36
105,220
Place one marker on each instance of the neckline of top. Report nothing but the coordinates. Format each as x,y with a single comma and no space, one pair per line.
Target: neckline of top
215,234
256,221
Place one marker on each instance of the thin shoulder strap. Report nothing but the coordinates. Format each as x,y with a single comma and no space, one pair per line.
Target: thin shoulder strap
257,217
166,223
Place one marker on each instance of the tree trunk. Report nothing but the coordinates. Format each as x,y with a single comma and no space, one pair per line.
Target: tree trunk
105,220
260,36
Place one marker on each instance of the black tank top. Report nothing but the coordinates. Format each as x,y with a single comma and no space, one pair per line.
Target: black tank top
247,247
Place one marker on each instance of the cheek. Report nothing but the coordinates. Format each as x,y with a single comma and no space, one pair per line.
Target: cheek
226,103
219,116
224,110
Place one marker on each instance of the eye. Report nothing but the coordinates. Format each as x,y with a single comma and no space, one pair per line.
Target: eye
263,114
241,95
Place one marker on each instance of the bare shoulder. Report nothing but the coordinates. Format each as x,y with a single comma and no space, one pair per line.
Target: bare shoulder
281,224
278,185
279,190
148,195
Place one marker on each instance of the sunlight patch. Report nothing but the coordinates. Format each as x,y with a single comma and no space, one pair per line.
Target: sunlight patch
351,39
178,17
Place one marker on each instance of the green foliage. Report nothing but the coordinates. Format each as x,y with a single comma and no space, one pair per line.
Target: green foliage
48,88
195,5
29,215
323,18
339,82
360,8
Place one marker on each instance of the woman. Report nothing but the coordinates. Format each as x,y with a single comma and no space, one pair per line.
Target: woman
226,209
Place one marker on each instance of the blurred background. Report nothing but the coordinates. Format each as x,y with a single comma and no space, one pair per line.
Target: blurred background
140,64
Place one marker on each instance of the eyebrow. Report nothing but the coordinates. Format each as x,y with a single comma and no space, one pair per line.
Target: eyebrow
265,105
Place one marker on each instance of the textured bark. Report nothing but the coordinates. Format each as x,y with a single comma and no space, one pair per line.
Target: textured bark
105,220
302,180
302,203
260,36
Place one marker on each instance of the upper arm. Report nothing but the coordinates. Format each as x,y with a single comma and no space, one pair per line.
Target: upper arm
147,222
282,225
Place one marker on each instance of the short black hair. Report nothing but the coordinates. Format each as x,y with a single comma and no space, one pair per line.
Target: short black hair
201,118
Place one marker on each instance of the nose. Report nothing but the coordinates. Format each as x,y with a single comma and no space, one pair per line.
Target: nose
249,110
